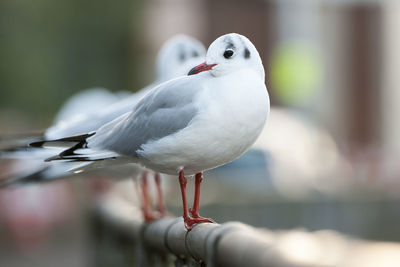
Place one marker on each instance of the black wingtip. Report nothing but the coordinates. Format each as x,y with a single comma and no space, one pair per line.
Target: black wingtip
37,143
69,154
75,138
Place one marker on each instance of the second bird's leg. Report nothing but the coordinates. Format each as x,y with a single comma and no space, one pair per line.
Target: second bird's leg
160,199
148,215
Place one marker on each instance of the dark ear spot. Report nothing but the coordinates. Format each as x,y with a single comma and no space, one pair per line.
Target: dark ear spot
246,53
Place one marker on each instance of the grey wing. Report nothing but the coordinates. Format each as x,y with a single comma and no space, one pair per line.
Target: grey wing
164,111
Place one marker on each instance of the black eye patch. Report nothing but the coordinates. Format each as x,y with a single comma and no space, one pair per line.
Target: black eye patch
246,53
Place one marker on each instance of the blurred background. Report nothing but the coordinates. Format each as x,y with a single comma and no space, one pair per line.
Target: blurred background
327,159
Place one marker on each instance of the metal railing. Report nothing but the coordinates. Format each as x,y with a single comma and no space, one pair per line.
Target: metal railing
211,244
166,242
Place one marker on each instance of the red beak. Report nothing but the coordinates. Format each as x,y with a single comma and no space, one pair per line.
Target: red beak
201,67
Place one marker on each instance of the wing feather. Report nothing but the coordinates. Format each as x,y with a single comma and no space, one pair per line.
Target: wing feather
167,109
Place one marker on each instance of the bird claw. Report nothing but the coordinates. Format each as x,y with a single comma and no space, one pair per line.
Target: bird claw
190,222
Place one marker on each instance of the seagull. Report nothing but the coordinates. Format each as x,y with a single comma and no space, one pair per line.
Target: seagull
189,124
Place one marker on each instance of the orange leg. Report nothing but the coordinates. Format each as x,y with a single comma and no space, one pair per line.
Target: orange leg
189,222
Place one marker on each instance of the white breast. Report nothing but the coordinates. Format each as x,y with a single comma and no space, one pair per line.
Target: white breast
231,116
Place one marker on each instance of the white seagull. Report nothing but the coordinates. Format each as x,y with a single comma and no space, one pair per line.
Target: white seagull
189,124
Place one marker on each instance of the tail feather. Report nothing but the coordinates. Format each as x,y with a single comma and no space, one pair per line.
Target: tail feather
77,149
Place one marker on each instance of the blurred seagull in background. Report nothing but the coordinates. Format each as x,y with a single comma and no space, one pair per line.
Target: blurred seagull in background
177,56
186,125
90,109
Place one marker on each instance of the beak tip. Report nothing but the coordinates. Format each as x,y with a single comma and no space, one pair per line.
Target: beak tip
192,71
200,68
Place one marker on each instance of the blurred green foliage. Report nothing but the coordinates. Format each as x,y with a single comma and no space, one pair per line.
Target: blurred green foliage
51,49
296,72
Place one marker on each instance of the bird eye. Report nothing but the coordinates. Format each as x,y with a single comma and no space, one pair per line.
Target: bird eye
228,54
